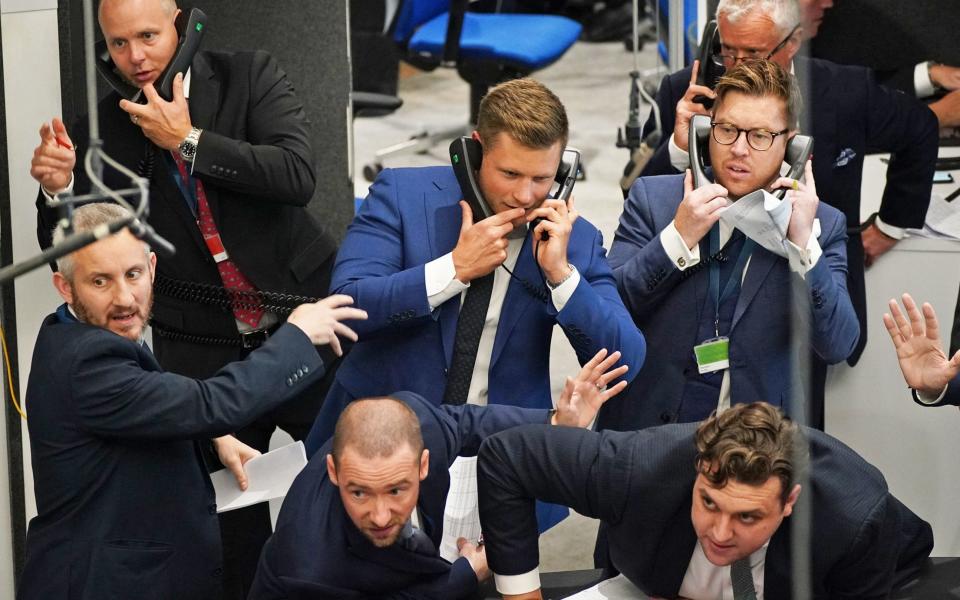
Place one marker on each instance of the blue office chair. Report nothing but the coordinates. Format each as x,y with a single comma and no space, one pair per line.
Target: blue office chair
485,48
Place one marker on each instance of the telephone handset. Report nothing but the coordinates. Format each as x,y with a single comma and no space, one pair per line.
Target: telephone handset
709,71
466,154
798,153
190,31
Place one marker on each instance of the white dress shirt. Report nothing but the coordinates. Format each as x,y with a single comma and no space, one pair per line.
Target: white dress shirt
706,581
442,284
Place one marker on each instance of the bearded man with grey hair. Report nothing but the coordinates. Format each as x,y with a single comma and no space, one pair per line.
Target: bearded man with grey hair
125,505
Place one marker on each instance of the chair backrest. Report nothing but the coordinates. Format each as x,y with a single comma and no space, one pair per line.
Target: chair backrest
413,13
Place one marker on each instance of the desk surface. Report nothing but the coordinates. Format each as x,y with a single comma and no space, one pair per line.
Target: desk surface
940,579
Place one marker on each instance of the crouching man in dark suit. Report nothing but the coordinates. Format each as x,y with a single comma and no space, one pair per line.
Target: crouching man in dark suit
700,511
365,518
125,505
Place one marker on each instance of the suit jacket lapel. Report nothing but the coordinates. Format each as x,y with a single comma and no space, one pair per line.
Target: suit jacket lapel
674,552
394,557
759,267
204,105
517,300
443,230
777,573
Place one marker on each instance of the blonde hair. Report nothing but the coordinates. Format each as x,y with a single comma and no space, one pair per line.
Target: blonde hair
525,109
759,78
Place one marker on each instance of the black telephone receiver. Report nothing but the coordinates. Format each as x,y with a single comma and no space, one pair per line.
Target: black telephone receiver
466,154
709,71
798,153
190,32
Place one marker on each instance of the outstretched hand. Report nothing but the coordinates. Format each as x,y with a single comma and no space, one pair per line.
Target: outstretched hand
924,364
583,395
323,321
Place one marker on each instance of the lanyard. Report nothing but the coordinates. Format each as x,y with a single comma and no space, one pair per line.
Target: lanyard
733,281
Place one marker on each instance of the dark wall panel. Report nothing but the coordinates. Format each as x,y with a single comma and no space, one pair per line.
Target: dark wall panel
887,34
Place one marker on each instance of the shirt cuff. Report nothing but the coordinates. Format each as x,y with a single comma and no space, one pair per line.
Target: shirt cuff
679,158
440,277
922,85
67,189
893,231
803,259
562,293
676,249
518,584
924,399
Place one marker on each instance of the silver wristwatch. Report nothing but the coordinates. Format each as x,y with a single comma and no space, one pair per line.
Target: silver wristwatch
188,147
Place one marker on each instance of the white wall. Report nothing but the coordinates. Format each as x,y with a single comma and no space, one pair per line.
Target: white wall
31,75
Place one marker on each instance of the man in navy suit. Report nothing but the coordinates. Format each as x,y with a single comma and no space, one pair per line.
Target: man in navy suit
415,248
847,113
933,376
365,517
125,508
692,281
702,511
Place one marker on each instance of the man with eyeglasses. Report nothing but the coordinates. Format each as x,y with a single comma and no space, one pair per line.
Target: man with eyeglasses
847,113
715,306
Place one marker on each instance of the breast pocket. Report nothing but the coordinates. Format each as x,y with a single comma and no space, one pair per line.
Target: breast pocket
123,569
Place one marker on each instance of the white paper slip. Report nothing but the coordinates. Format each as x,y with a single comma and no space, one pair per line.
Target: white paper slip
461,517
269,476
618,588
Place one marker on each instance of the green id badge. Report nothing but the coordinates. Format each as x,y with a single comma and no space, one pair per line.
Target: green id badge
713,355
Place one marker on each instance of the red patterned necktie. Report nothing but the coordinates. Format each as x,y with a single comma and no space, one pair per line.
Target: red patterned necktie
247,306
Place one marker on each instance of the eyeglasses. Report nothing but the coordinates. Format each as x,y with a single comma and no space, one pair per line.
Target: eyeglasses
758,139
729,60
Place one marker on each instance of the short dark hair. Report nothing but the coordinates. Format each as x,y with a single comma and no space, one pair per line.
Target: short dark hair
760,78
750,443
376,428
525,109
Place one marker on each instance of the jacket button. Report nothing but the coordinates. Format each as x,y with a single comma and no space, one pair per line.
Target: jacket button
666,417
289,382
213,509
217,572
306,369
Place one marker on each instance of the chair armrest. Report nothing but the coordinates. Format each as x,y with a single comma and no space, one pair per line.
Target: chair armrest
374,104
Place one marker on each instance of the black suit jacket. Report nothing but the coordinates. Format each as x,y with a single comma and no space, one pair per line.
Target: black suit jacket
256,165
317,552
849,115
640,485
125,506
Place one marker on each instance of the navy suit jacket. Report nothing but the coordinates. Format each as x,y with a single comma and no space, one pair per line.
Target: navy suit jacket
317,552
952,397
125,506
640,484
411,217
667,304
849,115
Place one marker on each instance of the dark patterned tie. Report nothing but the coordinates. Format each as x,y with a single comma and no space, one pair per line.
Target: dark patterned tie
742,579
248,308
467,339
